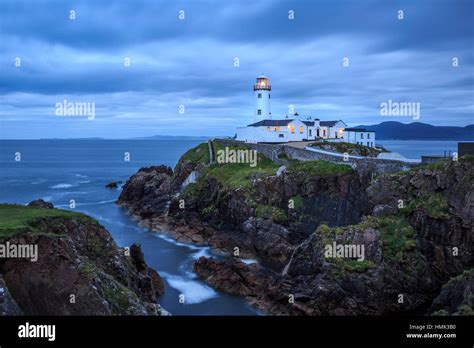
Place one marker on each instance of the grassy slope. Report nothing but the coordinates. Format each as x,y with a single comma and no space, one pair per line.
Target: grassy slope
15,219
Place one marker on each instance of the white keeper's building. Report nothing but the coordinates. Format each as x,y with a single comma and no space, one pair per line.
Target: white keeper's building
269,130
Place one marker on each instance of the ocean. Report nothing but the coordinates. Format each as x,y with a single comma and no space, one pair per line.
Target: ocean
61,170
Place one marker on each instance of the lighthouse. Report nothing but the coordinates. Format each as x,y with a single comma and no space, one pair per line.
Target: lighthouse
262,90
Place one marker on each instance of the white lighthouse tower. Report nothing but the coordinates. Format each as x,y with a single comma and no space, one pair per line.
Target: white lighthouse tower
262,95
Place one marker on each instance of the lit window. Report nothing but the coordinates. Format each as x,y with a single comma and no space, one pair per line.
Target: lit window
301,129
293,129
275,129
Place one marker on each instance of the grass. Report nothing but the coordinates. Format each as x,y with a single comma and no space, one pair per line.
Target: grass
275,213
397,235
298,202
435,205
342,147
319,168
15,219
198,154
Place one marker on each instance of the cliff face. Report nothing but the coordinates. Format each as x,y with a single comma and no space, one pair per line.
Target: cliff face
415,228
79,270
265,211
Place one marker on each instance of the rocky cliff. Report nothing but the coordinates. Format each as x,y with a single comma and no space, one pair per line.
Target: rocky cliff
415,228
79,269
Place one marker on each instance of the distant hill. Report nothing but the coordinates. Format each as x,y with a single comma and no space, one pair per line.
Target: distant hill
392,130
172,137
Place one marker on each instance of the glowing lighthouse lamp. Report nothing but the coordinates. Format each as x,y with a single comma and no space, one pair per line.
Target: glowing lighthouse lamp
262,95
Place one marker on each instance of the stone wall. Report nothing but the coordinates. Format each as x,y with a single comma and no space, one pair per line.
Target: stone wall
272,151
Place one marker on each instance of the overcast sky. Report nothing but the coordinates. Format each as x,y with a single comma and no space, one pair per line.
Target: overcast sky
190,62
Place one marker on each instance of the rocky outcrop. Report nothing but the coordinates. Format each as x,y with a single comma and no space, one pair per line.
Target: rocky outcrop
40,203
113,184
79,270
148,192
456,296
415,229
8,305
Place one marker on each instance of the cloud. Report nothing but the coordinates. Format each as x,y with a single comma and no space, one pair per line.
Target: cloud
191,62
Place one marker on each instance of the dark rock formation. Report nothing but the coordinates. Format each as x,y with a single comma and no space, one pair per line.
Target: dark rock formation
79,271
8,305
456,296
415,227
40,203
148,192
113,184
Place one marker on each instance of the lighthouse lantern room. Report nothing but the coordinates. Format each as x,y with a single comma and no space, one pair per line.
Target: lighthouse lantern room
262,90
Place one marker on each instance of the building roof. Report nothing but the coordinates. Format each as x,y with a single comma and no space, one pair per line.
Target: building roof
308,123
358,130
271,123
329,123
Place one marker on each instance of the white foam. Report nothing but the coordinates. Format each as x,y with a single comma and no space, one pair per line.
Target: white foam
248,261
81,176
61,186
193,291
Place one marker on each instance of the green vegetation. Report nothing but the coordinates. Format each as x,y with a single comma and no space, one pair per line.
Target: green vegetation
435,205
342,147
15,219
397,235
198,154
298,202
275,213
210,210
118,298
319,168
441,164
356,266
87,268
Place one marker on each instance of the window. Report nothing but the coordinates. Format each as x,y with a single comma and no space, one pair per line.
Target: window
324,133
310,132
275,129
259,112
268,95
301,129
260,95
317,132
293,129
280,135
268,129
368,135
362,135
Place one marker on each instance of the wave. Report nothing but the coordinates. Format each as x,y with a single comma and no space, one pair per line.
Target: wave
193,291
61,186
81,176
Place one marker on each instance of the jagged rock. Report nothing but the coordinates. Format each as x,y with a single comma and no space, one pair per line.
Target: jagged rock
113,184
78,259
8,305
383,210
148,192
456,296
231,276
40,203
